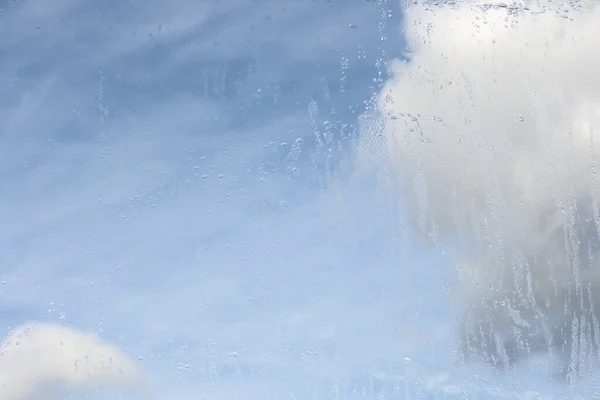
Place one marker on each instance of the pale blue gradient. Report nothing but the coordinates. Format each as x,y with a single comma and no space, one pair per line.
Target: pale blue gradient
180,178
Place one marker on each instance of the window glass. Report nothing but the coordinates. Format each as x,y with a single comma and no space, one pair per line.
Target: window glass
253,199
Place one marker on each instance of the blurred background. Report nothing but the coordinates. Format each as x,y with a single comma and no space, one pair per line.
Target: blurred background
182,180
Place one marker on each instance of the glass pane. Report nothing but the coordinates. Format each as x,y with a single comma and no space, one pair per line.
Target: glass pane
298,199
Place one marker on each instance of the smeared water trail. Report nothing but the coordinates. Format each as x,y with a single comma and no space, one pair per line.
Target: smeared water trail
490,127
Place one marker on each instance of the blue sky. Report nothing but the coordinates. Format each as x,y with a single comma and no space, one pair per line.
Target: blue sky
180,179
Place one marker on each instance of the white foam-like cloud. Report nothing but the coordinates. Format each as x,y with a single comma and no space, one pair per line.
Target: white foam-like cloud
38,356
496,110
493,129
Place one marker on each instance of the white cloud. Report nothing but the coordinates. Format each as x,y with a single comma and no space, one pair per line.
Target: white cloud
492,128
36,356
